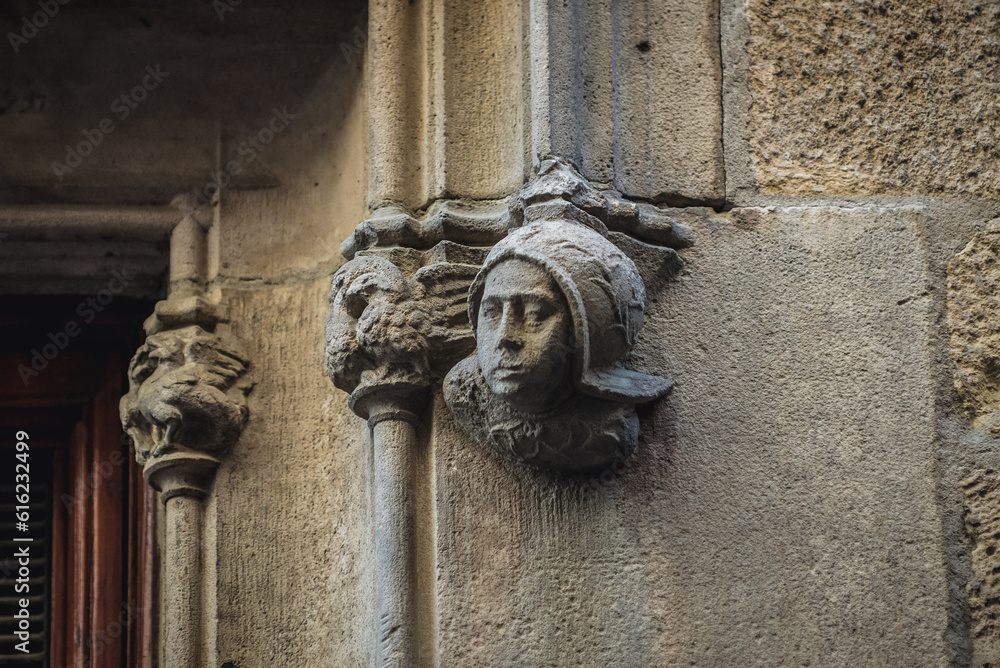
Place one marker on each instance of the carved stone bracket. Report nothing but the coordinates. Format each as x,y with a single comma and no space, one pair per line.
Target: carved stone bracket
386,335
552,304
186,406
400,317
186,403
556,308
482,224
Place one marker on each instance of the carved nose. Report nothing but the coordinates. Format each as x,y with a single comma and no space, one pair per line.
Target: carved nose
509,338
511,344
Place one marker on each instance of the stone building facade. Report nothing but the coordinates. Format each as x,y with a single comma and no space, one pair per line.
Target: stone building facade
802,190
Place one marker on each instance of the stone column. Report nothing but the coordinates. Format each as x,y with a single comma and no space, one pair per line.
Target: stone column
467,103
385,336
394,434
466,99
185,408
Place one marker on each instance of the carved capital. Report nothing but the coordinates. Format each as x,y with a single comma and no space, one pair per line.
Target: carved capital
457,231
560,192
387,336
186,404
540,285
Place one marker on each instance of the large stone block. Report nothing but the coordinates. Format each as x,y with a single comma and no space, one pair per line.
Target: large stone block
973,277
635,96
874,97
982,521
781,507
667,83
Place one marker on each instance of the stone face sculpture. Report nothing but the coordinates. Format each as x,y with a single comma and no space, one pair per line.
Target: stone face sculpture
555,309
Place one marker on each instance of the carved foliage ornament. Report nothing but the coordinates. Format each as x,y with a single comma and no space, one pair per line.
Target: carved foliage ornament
186,404
386,334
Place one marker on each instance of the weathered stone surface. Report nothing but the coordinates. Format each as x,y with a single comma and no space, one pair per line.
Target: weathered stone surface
875,97
629,92
289,515
532,571
982,522
285,232
781,506
667,83
789,504
974,324
633,96
447,102
480,126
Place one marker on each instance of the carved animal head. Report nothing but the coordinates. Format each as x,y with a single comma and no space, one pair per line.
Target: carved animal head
385,331
367,320
185,392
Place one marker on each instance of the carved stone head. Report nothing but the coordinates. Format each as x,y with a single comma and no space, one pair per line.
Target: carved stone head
555,308
186,400
599,289
524,333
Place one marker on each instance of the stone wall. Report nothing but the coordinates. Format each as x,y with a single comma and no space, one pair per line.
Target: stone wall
811,493
873,98
798,499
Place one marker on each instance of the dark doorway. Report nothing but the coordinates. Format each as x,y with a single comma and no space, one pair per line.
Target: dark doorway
90,518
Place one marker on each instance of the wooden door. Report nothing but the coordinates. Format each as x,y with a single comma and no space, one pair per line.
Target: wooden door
92,515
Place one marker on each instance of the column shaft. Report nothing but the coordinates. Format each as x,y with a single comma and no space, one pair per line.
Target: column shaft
394,444
182,638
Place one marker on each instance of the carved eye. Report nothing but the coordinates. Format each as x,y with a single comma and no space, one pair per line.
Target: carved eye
490,311
537,312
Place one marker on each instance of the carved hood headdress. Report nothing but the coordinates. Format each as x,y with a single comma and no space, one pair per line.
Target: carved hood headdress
606,297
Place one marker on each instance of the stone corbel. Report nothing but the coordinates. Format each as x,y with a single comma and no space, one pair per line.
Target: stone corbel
457,231
387,337
556,308
186,403
187,386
